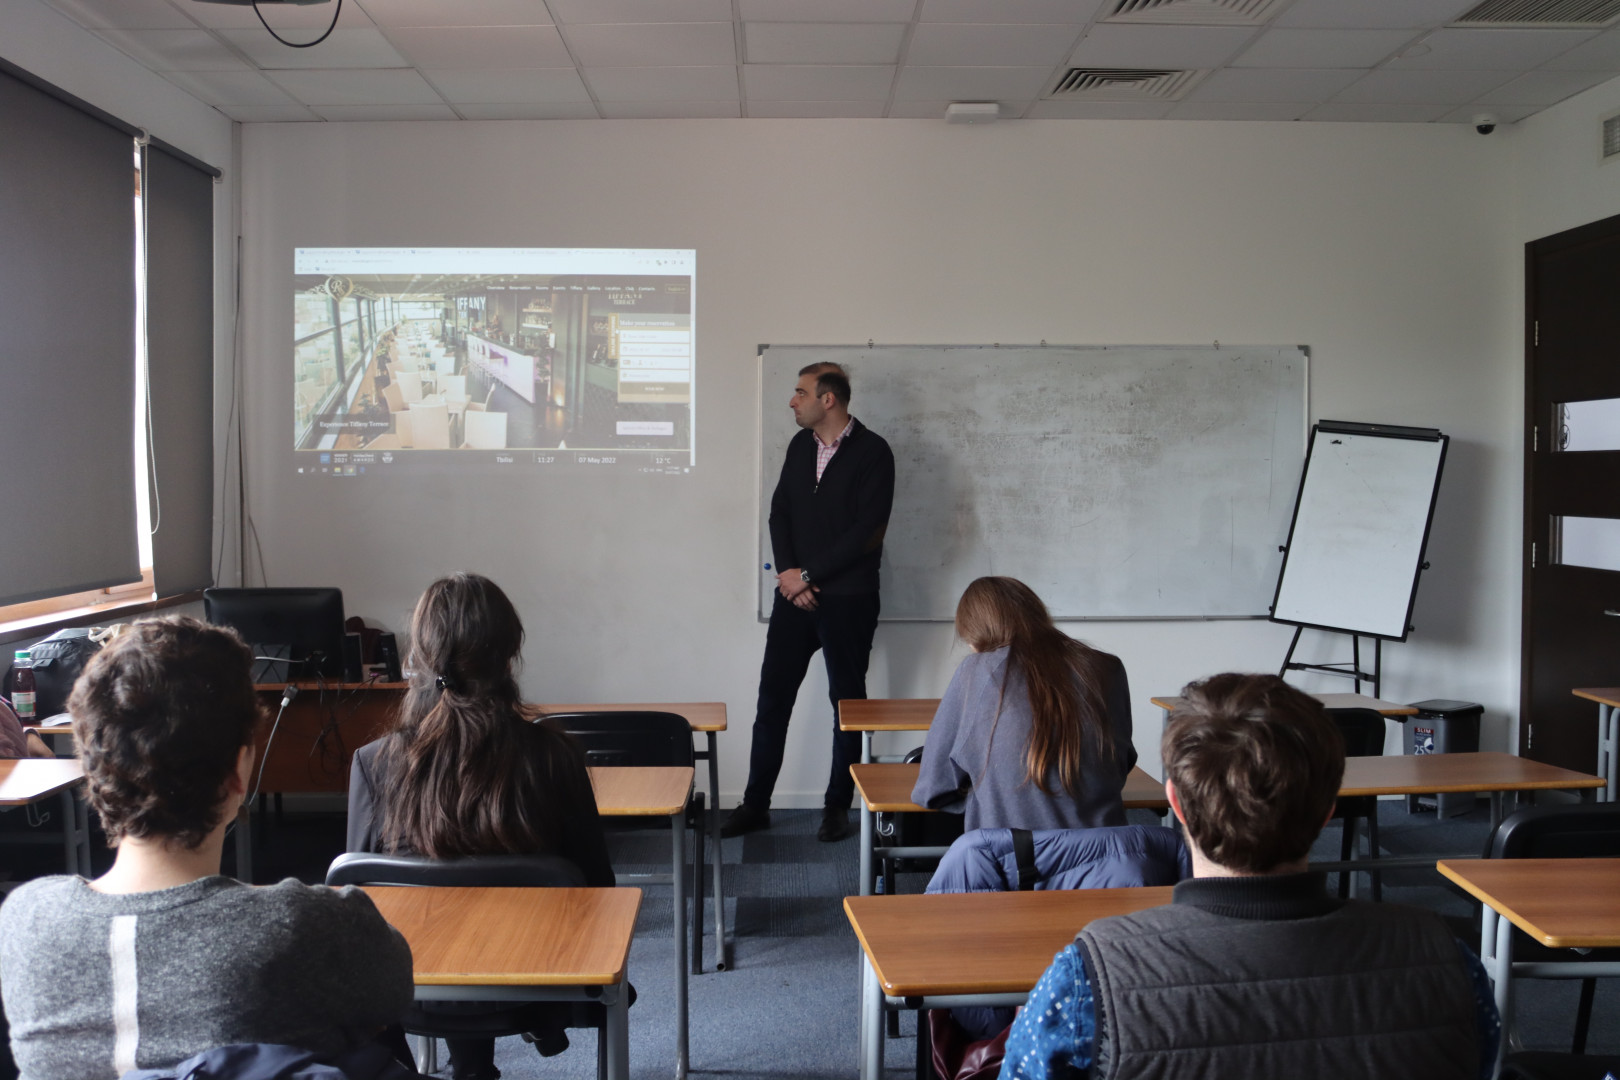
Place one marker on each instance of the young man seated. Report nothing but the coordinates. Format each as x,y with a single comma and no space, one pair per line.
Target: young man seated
1253,971
162,958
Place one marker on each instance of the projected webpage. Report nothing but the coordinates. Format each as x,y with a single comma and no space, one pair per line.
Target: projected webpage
437,359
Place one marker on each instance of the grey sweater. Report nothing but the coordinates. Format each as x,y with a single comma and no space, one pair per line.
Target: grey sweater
966,771
96,983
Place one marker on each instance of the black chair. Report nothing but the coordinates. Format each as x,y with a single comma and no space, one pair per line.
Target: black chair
898,829
643,740
1582,831
478,1020
1363,731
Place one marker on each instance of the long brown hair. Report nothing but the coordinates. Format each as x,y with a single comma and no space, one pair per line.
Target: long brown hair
1065,678
454,777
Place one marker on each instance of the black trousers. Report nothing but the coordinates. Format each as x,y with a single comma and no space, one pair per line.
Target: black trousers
842,628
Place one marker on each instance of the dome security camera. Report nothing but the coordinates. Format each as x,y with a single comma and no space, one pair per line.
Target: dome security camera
1484,123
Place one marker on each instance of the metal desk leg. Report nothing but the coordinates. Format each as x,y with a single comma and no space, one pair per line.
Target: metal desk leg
1502,974
866,748
617,1002
677,829
722,955
1608,749
871,1022
866,848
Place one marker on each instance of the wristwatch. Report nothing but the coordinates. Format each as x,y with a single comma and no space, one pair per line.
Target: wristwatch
804,576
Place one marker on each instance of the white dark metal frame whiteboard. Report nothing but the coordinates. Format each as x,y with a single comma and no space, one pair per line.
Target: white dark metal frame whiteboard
1355,536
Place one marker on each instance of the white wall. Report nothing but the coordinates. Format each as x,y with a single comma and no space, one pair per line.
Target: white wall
1386,248
1561,179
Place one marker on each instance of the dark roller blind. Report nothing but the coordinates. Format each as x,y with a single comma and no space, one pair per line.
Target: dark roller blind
180,361
67,348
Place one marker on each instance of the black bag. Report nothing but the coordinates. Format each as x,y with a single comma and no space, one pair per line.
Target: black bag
58,660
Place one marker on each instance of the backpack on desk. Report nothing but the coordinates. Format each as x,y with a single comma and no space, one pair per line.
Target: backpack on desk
58,662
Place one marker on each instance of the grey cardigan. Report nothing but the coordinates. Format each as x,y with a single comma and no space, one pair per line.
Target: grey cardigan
966,771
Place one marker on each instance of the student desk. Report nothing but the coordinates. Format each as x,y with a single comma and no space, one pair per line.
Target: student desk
954,949
29,780
1562,903
624,791
512,944
708,717
1608,703
885,787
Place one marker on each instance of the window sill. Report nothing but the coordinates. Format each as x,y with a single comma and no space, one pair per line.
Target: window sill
39,626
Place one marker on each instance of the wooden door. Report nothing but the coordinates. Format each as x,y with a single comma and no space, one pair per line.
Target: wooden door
1571,618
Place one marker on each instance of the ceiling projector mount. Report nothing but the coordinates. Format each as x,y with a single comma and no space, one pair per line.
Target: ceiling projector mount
257,4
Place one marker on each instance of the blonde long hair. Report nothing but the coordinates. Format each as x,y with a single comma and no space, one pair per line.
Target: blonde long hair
1065,678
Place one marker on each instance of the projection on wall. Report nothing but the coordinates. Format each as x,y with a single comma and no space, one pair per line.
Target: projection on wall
442,359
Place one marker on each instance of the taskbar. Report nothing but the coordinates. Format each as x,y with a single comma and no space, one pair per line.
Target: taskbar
346,463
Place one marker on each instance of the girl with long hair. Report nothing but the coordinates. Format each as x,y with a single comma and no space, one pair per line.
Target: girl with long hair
1034,731
464,770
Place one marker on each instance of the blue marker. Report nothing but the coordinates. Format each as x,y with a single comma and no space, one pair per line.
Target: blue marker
767,566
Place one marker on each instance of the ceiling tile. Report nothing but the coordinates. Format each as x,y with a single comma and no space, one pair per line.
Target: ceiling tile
643,84
1010,11
1230,110
177,50
1272,85
1601,53
1159,46
1323,48
1387,87
229,87
890,11
815,109
399,86
459,13
640,11
971,83
385,112
935,110
1355,112
804,82
985,45
1487,50
652,44
292,21
1543,88
1100,110
824,43
125,14
267,114
1372,14
1505,114
344,49
509,86
557,110
495,47
670,110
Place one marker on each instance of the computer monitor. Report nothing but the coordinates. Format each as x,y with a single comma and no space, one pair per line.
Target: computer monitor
302,629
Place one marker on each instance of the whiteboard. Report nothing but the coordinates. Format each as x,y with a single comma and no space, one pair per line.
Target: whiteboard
1360,528
1117,482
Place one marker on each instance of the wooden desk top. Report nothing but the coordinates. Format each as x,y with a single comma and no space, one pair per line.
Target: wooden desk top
1563,903
702,715
369,684
1488,770
886,714
1603,695
27,780
886,786
513,937
628,791
1329,701
979,943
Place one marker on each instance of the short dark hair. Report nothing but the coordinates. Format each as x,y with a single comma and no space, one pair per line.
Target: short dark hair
160,715
831,379
1256,766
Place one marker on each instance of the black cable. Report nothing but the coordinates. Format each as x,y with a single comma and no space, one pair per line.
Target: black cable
294,44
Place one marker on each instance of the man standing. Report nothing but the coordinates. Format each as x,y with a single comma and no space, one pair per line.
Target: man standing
828,517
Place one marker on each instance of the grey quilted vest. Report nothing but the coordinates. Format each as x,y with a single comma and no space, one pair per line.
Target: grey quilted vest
1353,991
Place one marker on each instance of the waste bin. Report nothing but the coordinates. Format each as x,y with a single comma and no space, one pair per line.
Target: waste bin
1443,726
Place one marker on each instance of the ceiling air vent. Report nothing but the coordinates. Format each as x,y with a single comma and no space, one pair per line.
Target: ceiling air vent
1541,13
1124,84
1194,12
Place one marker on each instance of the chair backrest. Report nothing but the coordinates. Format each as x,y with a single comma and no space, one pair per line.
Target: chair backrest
453,386
485,430
395,399
503,871
1582,831
410,385
1363,731
402,427
430,425
628,738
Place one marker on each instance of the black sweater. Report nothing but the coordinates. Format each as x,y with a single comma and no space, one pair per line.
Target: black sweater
834,529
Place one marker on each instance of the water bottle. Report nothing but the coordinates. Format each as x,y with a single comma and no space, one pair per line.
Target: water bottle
22,686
